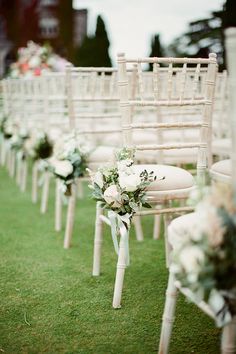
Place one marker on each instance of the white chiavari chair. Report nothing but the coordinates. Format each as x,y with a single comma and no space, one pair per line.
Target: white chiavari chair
178,183
55,112
223,171
93,112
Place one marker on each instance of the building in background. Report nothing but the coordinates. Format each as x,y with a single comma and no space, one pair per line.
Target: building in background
53,21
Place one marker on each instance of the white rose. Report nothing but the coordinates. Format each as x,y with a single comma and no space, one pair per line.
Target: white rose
112,195
129,182
191,258
98,179
34,62
63,168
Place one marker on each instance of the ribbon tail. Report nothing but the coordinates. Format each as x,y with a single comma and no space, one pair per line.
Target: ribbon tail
112,217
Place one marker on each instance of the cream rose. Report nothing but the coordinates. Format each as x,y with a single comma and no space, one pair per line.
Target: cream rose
112,195
129,182
63,168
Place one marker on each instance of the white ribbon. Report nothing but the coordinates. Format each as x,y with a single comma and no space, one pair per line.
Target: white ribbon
118,227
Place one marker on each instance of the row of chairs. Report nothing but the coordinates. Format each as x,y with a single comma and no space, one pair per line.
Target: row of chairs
168,115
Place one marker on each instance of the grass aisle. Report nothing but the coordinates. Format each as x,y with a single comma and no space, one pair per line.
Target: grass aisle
50,303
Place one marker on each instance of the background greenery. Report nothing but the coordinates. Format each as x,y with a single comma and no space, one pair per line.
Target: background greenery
50,303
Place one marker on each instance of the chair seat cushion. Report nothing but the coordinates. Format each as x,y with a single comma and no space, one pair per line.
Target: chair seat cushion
175,178
221,170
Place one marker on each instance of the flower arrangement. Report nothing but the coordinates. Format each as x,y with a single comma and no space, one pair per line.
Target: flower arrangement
34,59
38,146
120,188
204,259
17,140
6,128
68,162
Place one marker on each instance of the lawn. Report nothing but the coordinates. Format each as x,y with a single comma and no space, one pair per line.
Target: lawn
50,303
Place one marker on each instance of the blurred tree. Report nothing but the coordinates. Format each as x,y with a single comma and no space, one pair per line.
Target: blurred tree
229,15
156,48
94,51
203,37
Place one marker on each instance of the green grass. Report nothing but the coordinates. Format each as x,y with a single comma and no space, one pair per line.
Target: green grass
50,303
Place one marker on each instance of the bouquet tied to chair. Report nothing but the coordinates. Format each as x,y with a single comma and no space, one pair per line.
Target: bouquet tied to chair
69,161
122,191
204,260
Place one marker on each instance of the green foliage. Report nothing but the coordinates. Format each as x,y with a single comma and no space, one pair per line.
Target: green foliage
43,148
156,48
202,37
229,15
95,50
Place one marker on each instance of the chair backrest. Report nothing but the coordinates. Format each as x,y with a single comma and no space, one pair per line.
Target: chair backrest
186,93
54,107
93,102
220,111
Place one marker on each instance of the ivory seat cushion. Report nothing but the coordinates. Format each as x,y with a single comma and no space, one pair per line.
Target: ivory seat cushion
221,170
177,183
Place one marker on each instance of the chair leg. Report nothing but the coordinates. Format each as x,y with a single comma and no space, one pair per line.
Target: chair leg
228,341
8,160
138,227
157,227
120,273
3,153
13,163
70,217
45,192
58,206
97,241
80,191
167,220
168,316
24,171
18,171
35,182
